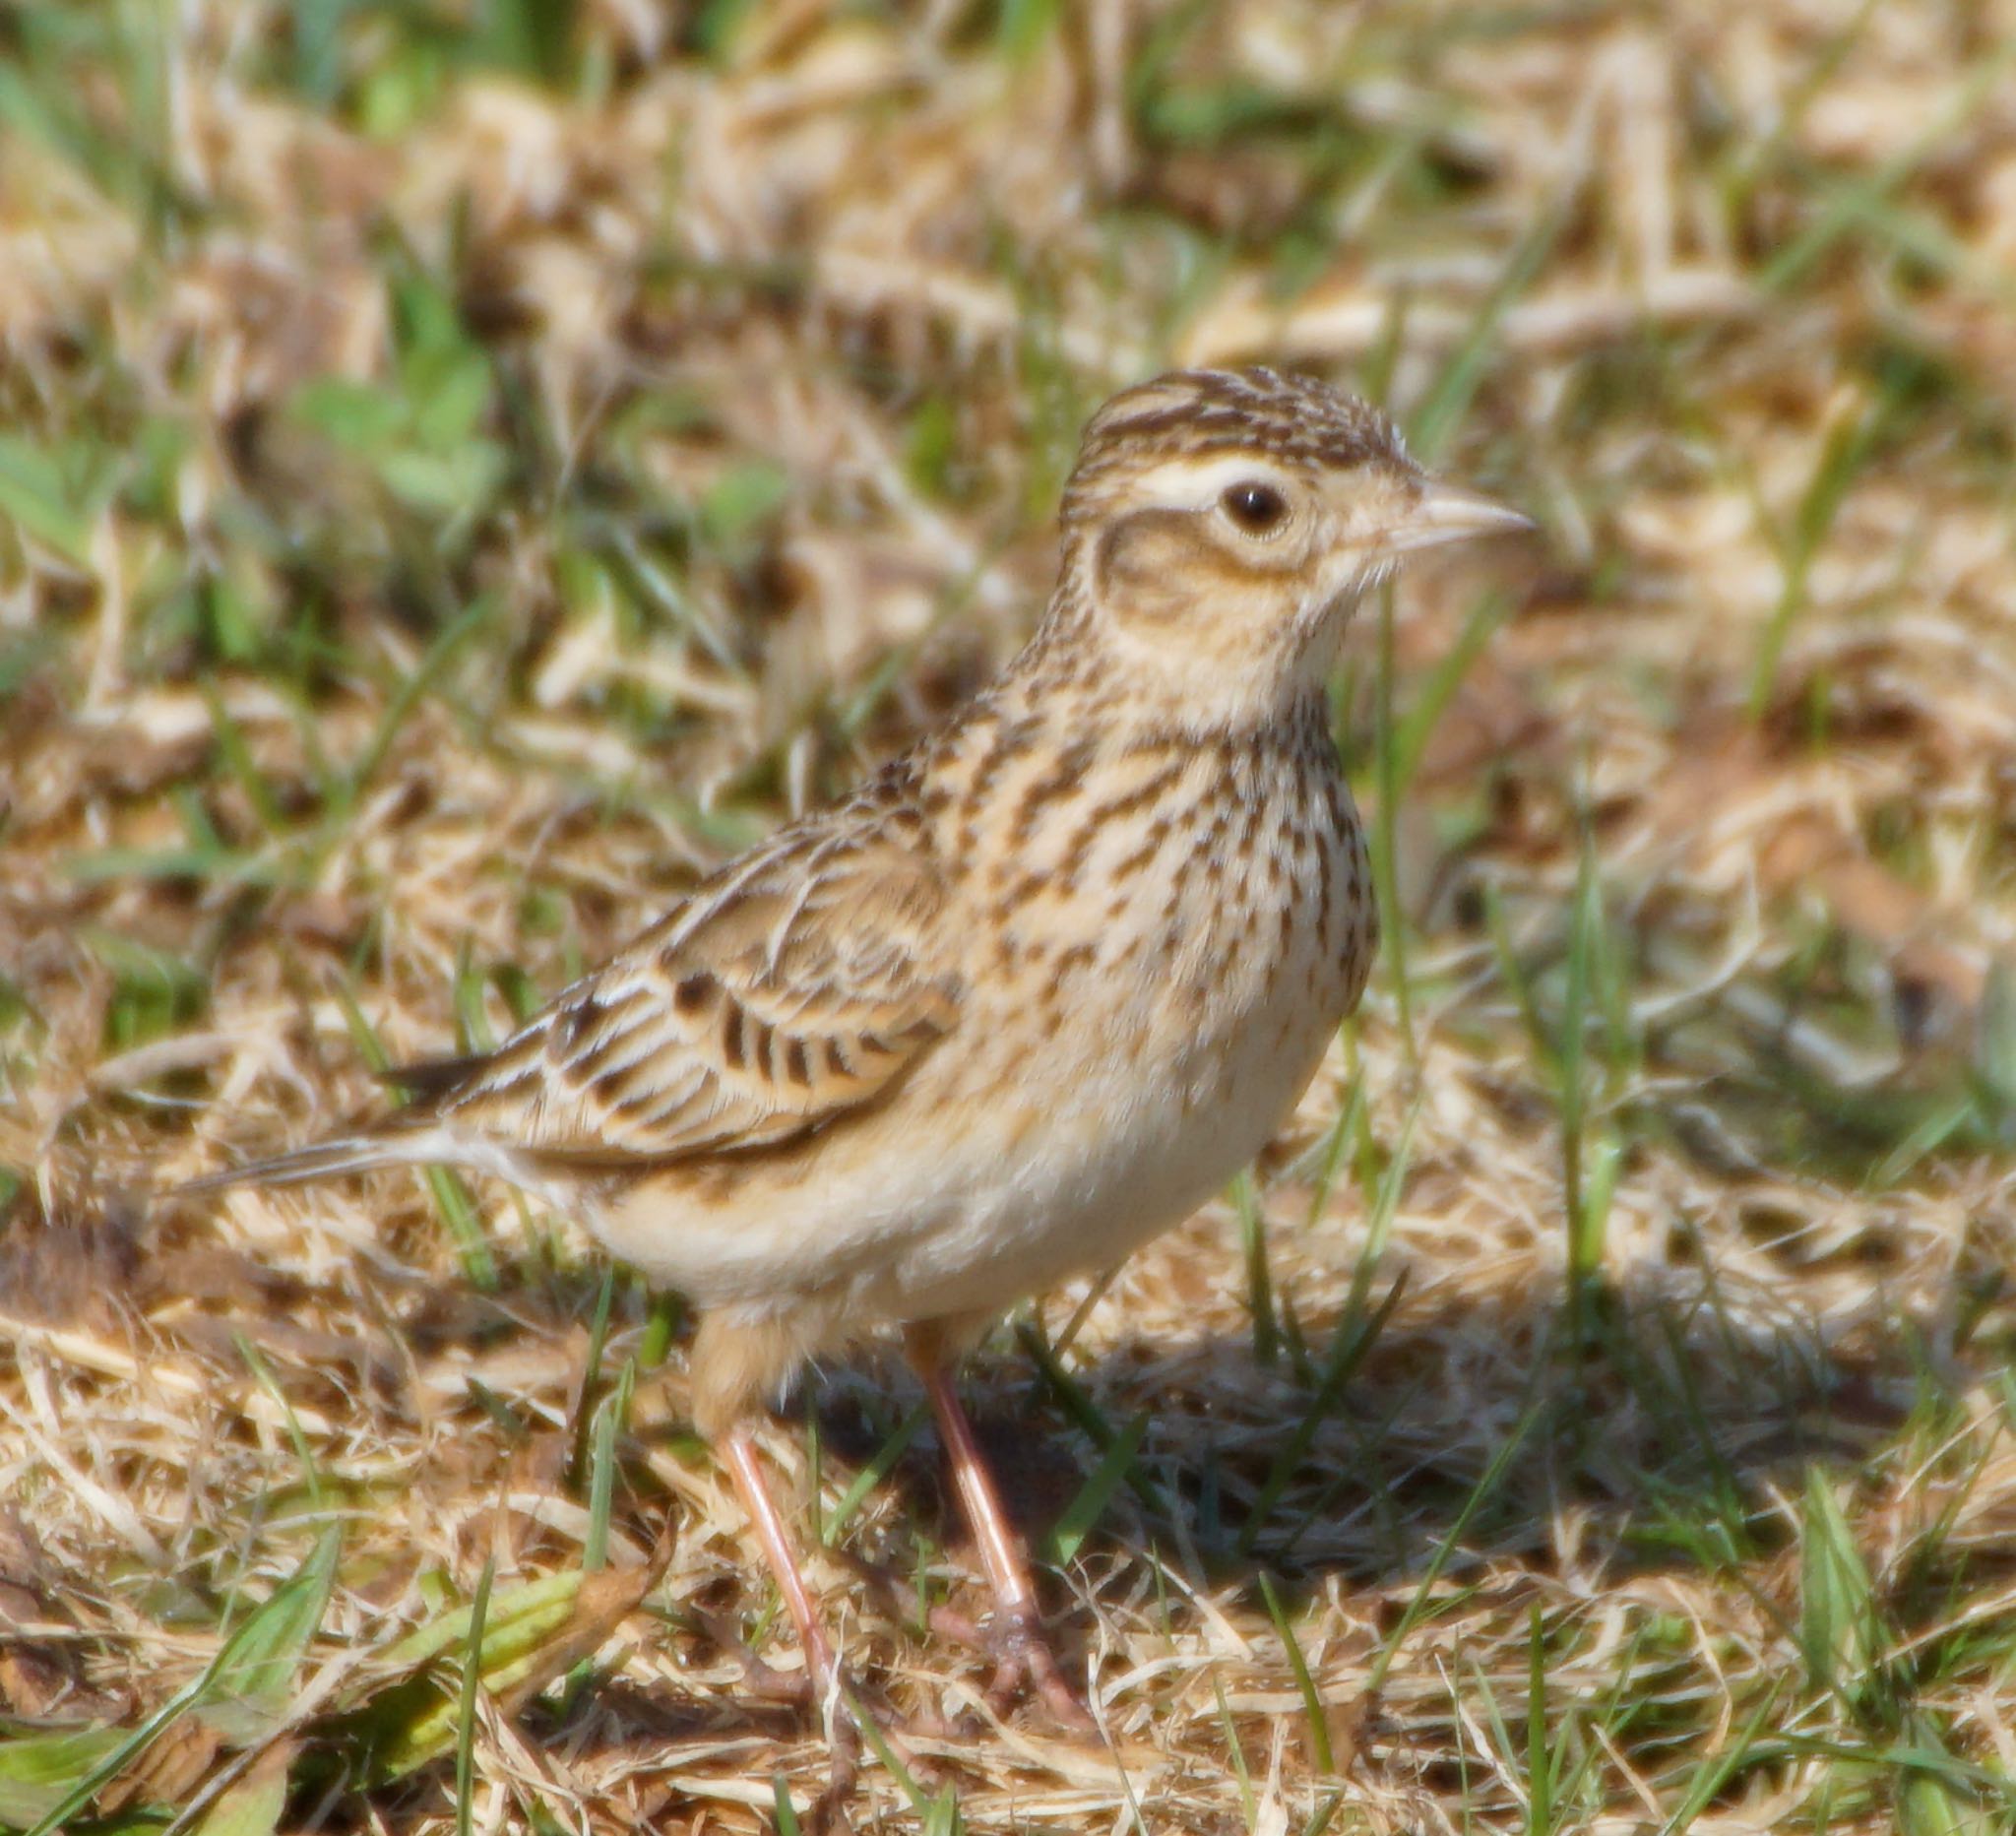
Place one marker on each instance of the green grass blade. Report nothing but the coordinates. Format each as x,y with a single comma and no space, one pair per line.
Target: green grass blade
1354,1338
581,1434
878,1468
1846,449
1485,1487
1417,727
1540,1763
1710,1780
1321,1758
1442,410
1840,1625
466,1710
1076,1523
1385,836
1259,1278
412,691
1082,1410
611,1420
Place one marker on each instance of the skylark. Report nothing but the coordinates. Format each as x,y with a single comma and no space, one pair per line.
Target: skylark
1027,998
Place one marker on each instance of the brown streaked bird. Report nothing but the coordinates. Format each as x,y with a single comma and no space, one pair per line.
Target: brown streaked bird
1031,994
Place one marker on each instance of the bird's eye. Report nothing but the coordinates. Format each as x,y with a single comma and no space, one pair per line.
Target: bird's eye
1258,509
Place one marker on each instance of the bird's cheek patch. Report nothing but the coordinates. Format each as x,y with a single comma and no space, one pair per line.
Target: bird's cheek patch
1151,565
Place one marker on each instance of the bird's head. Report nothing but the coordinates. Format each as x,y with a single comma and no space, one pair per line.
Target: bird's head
1219,524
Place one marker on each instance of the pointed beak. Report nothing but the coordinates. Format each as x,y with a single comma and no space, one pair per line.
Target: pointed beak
1445,513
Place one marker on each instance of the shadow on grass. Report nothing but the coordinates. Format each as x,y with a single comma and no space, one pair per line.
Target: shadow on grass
1670,1432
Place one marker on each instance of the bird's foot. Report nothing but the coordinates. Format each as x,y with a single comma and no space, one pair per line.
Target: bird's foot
799,1689
1026,1664
788,1688
843,1752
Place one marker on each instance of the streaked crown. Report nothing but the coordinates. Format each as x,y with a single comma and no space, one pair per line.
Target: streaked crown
1198,415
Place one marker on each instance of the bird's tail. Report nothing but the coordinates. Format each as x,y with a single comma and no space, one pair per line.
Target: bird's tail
393,1143
416,1135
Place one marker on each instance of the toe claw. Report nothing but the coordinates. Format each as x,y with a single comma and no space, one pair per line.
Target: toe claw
1028,1662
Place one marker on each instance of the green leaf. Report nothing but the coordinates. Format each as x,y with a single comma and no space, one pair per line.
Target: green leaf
153,992
21,658
252,1685
1995,1048
716,25
50,505
1927,1806
423,438
536,37
449,386
417,1719
928,450
442,484
1023,26
741,501
1839,1627
39,1770
358,415
517,1619
243,1689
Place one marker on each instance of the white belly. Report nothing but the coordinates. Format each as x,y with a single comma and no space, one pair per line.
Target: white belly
1080,1181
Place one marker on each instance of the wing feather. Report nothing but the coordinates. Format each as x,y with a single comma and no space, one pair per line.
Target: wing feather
797,986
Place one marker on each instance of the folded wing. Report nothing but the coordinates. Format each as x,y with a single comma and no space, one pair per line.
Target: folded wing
798,987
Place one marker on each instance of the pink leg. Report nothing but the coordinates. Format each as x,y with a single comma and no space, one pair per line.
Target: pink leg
1028,1654
822,1667
822,1663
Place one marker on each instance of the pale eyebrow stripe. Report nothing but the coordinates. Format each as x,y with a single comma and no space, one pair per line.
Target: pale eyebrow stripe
1198,479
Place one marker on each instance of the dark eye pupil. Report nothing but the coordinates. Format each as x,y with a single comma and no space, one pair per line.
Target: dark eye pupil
1254,506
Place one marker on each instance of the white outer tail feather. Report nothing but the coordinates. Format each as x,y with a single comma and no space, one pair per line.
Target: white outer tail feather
427,1145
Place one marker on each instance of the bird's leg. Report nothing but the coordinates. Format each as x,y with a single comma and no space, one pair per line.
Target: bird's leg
1027,1654
841,1716
822,1663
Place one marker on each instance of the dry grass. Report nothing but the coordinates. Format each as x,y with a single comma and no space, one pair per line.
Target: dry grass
462,468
